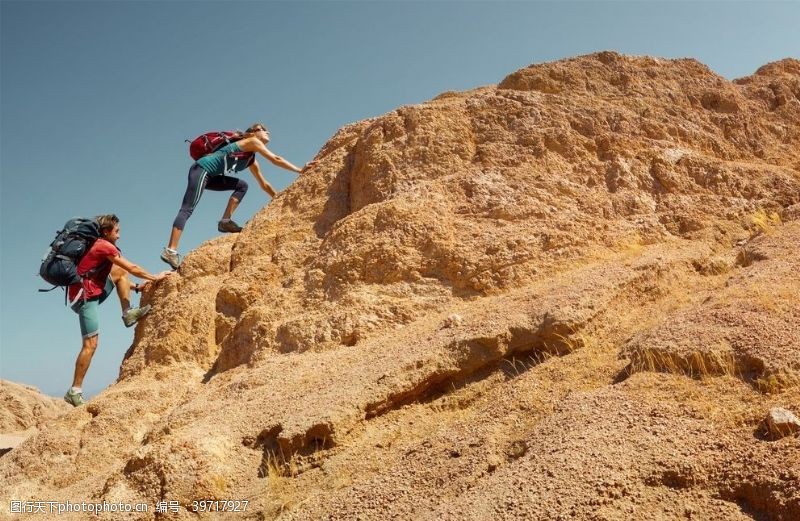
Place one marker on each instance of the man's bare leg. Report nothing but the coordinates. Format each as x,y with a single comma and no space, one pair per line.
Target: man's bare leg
84,359
123,285
130,315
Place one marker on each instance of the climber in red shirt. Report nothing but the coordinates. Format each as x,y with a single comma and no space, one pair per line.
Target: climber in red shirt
102,269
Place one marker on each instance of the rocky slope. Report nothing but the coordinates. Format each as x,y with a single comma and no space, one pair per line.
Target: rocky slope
569,296
23,412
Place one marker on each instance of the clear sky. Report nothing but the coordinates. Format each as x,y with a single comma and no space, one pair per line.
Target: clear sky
98,97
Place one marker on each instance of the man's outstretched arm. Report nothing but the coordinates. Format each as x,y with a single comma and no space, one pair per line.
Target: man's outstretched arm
136,270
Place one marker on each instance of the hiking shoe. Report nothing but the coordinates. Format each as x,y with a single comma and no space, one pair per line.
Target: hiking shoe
228,226
171,258
74,399
132,315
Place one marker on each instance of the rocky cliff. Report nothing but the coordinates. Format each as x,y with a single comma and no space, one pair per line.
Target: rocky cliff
573,295
24,411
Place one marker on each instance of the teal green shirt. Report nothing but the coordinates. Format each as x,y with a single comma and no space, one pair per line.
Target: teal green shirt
220,162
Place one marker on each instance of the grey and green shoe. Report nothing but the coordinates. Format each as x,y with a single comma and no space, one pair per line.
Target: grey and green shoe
130,317
171,257
74,399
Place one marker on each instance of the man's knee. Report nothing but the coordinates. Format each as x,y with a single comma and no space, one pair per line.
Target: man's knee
117,273
90,343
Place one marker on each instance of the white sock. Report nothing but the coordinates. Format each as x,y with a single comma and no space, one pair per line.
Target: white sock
170,250
76,390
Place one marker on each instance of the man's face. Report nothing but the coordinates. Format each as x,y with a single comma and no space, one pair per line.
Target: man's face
113,235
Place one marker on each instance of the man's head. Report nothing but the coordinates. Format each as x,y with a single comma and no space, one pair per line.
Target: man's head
260,131
109,227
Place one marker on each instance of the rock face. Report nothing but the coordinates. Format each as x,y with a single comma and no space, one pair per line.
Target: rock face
569,296
24,411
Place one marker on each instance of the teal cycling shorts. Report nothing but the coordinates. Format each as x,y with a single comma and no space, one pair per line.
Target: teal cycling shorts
87,311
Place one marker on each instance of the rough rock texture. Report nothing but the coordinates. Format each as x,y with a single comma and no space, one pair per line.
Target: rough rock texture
781,423
750,327
569,296
25,410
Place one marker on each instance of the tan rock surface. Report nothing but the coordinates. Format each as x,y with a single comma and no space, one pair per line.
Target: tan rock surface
782,423
25,409
616,236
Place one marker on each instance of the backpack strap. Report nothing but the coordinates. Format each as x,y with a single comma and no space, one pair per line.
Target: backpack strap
78,296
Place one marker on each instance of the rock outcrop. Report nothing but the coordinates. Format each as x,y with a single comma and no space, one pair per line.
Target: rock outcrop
782,423
24,411
569,296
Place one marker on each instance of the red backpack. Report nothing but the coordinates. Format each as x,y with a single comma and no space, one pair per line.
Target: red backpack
210,142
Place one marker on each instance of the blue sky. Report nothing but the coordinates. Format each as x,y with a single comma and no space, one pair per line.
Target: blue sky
98,97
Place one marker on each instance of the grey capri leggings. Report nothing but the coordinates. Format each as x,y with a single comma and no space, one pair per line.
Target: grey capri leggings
200,180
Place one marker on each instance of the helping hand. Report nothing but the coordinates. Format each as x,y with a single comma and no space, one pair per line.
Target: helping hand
143,286
308,166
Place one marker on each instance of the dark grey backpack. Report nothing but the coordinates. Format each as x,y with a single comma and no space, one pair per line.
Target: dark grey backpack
60,262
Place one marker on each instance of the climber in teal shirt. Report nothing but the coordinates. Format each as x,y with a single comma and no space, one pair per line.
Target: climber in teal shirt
224,161
211,172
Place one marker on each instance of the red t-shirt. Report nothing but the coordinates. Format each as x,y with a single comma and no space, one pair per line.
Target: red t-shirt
99,254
